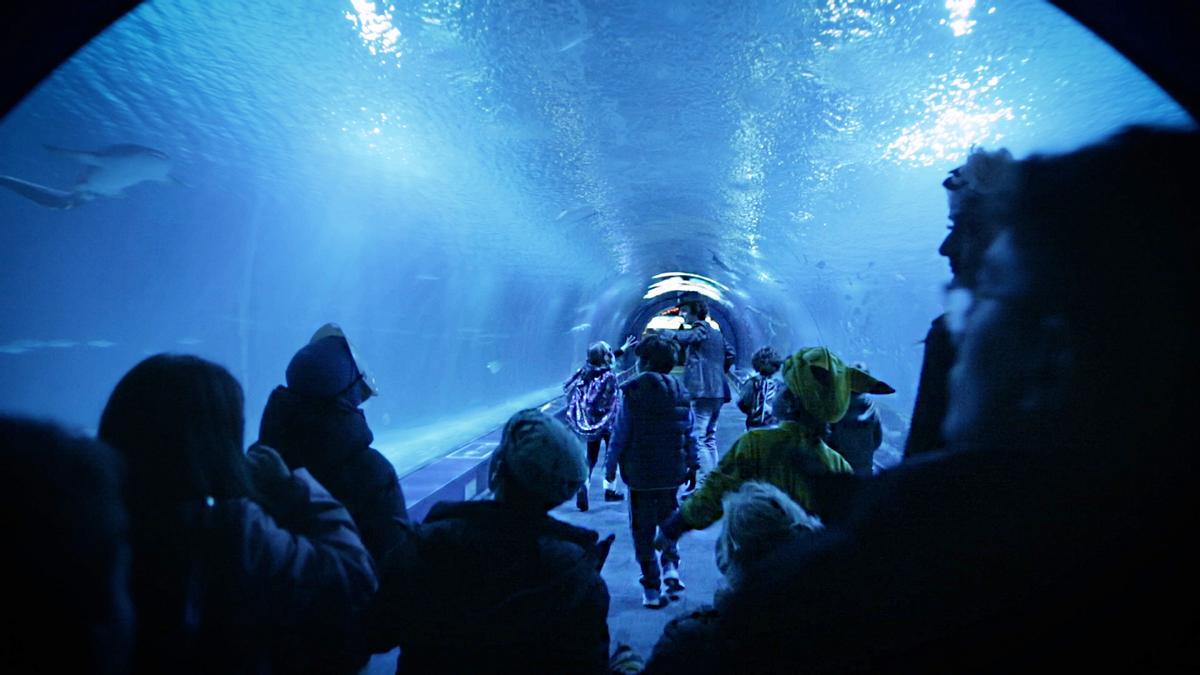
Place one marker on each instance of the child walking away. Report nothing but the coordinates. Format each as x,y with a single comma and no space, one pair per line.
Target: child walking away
792,456
653,445
757,395
593,399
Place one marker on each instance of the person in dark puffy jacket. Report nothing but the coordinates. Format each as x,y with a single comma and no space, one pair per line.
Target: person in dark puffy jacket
500,586
239,565
315,423
653,445
593,398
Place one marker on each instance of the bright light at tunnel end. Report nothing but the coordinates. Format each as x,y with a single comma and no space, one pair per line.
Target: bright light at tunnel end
682,282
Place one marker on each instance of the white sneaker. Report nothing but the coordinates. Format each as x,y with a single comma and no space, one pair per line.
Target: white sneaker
671,580
652,599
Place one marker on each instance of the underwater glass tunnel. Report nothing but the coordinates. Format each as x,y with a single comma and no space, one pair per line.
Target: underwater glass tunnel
476,191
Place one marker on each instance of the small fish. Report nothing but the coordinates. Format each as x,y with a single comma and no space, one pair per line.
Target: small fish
821,265
576,214
721,263
580,328
494,366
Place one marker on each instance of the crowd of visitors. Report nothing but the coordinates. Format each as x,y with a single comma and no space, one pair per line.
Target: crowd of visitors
1037,524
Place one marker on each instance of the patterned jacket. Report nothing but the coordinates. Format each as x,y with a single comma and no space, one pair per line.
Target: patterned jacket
593,399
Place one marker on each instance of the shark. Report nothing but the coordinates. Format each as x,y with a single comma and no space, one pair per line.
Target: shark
107,172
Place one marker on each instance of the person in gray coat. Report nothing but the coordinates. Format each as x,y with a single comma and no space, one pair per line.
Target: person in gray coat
708,357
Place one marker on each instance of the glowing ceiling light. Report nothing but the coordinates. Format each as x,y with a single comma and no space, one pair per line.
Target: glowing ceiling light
689,275
681,285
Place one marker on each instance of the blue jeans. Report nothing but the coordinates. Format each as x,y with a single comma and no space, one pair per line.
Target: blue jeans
704,413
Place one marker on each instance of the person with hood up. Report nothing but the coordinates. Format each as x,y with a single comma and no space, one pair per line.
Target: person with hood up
500,586
859,433
315,423
653,445
593,399
791,456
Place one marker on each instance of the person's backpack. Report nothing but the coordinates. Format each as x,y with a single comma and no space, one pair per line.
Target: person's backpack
754,399
746,395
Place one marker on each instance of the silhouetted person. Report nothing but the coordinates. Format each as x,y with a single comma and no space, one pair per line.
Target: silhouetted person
708,356
971,231
791,456
315,423
859,433
759,518
1056,534
499,586
653,445
237,562
66,606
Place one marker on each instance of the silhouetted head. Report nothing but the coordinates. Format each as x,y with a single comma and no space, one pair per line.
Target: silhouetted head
599,354
68,606
766,361
539,463
693,309
758,518
328,368
656,354
178,423
1079,324
970,189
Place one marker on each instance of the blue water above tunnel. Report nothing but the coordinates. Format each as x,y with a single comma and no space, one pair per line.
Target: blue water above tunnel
476,191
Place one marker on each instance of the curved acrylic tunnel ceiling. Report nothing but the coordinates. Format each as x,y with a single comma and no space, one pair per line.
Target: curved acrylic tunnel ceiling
477,190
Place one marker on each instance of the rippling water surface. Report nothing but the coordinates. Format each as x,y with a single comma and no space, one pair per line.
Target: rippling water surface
464,184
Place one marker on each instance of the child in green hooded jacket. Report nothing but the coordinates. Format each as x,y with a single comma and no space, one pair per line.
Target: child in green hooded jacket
818,391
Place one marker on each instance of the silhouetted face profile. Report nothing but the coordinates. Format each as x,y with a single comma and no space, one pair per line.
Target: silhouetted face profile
685,313
964,246
990,383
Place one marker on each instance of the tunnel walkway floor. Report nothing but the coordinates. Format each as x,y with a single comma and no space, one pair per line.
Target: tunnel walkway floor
628,622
